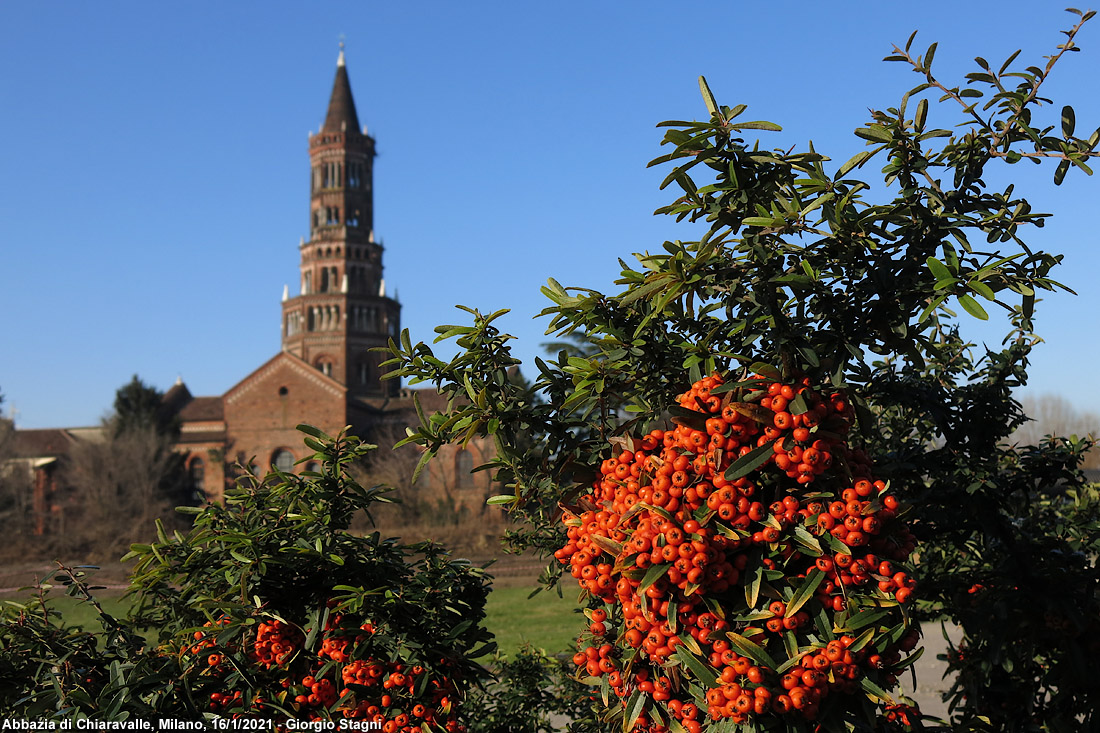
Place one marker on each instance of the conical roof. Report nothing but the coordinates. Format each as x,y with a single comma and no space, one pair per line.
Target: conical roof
341,114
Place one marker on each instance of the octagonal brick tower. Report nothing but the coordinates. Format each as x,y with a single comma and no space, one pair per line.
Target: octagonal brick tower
343,310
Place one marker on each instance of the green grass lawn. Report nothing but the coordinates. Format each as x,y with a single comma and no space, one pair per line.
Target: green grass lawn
75,611
545,621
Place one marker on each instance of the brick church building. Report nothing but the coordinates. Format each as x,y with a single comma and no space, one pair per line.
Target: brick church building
325,373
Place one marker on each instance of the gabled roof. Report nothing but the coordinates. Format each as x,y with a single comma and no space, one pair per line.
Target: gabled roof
295,363
341,114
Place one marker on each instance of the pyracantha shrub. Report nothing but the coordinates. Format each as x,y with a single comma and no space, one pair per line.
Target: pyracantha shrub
269,608
746,565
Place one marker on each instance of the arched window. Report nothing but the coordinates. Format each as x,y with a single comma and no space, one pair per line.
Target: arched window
283,460
313,467
197,473
464,466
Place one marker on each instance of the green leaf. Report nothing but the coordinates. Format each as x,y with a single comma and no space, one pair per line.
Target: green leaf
749,462
862,640
972,307
751,649
708,99
932,306
854,162
756,578
929,55
865,618
939,270
807,540
982,289
757,125
636,704
805,592
766,370
1069,121
875,133
921,115
702,671
315,432
655,573
798,405
1060,172
875,690
501,499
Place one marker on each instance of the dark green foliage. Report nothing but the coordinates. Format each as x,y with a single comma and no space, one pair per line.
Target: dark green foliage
277,549
532,693
139,406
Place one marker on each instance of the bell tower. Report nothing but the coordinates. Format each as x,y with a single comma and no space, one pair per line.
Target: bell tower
342,310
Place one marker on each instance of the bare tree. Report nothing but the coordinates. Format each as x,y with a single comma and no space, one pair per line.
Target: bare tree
121,481
1054,415
392,467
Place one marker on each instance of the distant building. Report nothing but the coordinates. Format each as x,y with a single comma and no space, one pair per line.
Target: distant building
326,374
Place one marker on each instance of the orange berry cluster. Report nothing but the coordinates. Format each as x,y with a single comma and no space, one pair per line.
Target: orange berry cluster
205,639
276,642
395,696
756,480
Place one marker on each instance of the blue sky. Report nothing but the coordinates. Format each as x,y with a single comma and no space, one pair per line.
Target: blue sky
154,176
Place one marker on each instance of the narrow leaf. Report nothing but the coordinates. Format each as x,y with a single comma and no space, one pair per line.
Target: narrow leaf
703,672
751,649
655,573
766,370
921,115
1069,121
855,161
939,270
708,97
805,592
749,462
972,307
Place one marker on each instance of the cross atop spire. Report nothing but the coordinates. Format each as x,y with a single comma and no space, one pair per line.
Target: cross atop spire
340,59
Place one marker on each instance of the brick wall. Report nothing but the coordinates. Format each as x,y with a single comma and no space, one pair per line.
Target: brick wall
262,411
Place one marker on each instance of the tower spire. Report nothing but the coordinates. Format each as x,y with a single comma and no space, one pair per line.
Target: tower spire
341,116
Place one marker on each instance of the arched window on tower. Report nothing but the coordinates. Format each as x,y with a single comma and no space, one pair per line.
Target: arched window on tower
324,279
283,460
